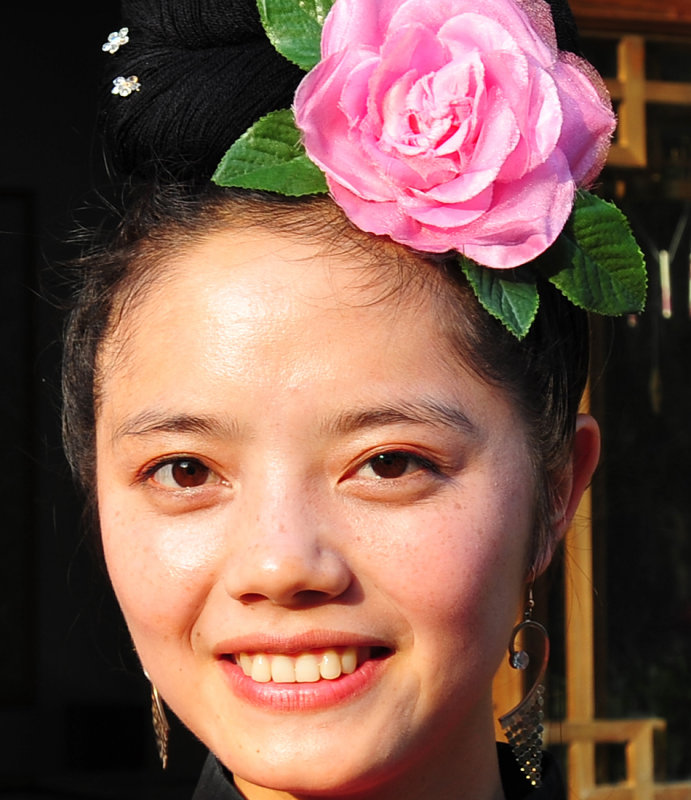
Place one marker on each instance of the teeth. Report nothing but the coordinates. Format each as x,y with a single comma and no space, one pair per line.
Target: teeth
307,668
349,660
261,668
330,666
302,668
282,669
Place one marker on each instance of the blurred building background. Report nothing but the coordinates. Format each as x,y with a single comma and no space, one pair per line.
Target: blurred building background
619,604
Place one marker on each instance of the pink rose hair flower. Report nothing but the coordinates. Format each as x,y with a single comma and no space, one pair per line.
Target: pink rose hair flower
454,125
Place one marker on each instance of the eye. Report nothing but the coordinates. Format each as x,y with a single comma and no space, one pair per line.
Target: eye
183,473
395,464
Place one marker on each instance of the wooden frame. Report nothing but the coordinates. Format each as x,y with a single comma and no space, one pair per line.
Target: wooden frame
652,16
632,92
628,90
638,737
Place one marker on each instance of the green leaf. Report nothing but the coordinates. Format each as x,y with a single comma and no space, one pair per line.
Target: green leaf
511,298
270,157
294,27
596,262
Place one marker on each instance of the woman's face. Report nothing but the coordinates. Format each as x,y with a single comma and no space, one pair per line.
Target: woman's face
295,480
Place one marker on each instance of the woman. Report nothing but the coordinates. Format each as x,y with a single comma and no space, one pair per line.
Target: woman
324,474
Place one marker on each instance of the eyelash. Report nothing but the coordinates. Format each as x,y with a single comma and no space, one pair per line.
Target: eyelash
412,459
149,472
385,460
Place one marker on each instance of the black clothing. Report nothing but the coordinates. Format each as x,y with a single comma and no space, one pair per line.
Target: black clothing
216,783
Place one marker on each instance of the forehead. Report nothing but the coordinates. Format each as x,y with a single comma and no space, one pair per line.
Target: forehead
257,309
252,276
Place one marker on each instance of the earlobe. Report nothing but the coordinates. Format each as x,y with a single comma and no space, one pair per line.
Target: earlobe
584,459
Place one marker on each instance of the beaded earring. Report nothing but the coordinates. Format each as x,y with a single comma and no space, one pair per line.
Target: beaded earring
523,724
160,723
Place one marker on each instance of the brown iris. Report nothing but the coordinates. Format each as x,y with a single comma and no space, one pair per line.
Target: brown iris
189,473
390,465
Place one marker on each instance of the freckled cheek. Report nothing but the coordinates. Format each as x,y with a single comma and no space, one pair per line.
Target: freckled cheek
161,570
453,568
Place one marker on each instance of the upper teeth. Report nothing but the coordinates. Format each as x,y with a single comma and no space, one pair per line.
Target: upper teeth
307,667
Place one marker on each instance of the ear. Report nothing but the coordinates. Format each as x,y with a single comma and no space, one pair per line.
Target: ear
584,459
585,455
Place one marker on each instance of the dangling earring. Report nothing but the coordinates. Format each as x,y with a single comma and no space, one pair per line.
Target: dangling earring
160,721
523,724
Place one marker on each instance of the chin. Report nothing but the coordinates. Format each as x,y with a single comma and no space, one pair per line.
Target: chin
340,768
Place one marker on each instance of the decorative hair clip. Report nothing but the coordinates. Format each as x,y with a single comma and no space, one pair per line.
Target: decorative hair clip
115,41
452,127
125,86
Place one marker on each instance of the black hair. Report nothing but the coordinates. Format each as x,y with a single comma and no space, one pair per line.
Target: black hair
207,72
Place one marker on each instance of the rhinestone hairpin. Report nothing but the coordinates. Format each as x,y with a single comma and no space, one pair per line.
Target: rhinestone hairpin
125,86
115,41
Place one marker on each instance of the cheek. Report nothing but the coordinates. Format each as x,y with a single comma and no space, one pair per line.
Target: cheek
161,569
457,567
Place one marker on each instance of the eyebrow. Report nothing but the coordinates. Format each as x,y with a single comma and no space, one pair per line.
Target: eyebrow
154,421
424,412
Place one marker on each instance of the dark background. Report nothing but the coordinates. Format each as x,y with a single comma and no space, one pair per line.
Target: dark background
74,708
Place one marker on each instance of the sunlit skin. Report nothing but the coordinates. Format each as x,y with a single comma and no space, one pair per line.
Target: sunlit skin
284,465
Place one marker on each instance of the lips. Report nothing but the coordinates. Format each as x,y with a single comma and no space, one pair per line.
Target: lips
306,673
306,666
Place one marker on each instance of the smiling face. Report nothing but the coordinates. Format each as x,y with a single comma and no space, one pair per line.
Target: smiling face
297,481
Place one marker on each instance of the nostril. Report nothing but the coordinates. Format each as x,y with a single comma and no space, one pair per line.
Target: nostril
303,598
309,597
250,598
293,572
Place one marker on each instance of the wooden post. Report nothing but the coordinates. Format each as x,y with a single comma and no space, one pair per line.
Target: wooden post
580,638
578,608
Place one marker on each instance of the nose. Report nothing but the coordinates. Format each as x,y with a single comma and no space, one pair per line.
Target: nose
285,551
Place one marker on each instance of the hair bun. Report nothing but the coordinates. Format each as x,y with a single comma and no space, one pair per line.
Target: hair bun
189,24
207,72
565,26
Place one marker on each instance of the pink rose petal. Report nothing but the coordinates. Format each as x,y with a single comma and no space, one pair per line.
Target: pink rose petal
454,125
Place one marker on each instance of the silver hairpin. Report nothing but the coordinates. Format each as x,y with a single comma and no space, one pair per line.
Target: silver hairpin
116,39
125,86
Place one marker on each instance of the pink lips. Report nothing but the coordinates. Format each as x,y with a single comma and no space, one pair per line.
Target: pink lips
302,696
313,695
